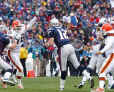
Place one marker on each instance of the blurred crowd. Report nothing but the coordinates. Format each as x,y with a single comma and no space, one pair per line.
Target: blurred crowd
82,18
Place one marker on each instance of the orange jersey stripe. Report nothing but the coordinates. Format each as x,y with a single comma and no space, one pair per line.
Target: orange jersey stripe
110,34
102,78
13,61
108,62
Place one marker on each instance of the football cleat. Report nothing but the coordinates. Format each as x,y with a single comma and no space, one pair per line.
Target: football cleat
112,87
61,89
4,85
8,82
80,85
20,86
91,83
98,90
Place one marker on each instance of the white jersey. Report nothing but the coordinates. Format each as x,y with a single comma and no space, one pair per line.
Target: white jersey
109,44
16,34
16,37
95,48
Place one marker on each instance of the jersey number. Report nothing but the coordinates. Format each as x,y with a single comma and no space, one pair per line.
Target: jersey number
63,34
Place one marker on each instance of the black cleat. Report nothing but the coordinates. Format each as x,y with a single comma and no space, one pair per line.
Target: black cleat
92,83
61,89
112,87
80,85
9,82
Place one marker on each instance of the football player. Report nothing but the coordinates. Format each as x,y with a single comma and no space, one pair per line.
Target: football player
58,35
17,30
107,65
5,43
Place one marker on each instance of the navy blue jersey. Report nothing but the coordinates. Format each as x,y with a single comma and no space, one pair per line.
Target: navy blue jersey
4,41
60,35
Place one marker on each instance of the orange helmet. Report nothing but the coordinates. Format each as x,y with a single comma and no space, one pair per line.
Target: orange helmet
15,23
106,27
91,38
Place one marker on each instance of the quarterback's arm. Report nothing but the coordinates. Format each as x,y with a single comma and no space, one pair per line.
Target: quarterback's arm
28,26
107,45
50,42
31,23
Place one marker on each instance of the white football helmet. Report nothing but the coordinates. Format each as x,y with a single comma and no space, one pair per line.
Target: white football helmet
54,22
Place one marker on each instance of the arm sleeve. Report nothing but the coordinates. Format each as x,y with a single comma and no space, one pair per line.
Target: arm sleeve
49,33
9,45
30,24
108,44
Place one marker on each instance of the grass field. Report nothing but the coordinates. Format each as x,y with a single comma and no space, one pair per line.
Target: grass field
46,84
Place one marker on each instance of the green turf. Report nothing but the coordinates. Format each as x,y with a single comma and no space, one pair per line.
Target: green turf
46,84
